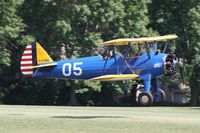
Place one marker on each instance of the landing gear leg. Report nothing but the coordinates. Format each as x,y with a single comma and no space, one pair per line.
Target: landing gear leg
159,94
145,98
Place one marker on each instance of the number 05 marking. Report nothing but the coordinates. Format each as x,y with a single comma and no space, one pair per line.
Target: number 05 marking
157,65
67,69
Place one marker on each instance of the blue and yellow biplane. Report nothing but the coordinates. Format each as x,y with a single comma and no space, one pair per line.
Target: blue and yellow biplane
111,65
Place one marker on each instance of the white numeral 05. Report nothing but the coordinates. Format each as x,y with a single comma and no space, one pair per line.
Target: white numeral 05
77,70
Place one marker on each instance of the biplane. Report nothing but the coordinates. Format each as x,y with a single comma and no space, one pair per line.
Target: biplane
110,66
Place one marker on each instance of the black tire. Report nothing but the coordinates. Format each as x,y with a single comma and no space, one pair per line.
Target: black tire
163,95
145,99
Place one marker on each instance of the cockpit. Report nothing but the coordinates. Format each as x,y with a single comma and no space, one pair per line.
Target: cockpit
108,52
105,52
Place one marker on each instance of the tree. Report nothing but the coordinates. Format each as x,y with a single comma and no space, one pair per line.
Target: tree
75,25
181,17
10,27
80,24
12,38
193,32
93,21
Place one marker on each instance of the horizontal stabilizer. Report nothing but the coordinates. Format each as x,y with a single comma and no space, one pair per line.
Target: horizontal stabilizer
40,66
45,65
115,77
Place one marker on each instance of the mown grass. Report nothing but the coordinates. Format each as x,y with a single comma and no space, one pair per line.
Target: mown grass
52,119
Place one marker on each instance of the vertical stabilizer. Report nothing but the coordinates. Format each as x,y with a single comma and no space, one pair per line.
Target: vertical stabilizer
33,55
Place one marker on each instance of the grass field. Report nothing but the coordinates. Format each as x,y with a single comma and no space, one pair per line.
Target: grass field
52,119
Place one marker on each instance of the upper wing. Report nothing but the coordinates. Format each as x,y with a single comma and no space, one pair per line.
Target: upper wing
115,77
126,41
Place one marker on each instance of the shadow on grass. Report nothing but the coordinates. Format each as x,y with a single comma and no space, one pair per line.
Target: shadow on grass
195,108
87,117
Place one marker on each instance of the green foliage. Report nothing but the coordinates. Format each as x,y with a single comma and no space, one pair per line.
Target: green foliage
194,52
10,28
78,26
12,39
183,19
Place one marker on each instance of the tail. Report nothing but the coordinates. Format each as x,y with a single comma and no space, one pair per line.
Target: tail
33,56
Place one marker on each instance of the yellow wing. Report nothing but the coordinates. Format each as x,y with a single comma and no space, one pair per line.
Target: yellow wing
126,41
115,77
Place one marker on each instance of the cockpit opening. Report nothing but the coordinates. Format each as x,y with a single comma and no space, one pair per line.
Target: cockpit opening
106,52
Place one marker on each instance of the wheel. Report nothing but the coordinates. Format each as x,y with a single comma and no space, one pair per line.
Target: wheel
160,96
163,95
135,91
145,99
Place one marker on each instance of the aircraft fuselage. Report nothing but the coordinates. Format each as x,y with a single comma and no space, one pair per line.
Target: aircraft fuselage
91,67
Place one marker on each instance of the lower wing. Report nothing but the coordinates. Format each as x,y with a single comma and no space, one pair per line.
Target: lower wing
115,77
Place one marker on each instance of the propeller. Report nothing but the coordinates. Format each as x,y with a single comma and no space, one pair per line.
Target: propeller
173,64
170,64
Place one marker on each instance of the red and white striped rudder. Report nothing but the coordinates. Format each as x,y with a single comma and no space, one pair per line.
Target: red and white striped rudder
27,62
32,58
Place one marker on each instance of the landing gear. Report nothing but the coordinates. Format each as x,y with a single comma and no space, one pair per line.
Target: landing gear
141,97
163,95
145,99
160,96
135,91
147,92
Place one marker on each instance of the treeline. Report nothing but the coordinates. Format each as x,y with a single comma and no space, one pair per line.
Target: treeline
76,26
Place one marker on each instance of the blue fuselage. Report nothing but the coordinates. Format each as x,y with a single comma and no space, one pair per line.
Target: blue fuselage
91,67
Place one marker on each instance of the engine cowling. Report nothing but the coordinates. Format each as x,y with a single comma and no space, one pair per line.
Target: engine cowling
170,65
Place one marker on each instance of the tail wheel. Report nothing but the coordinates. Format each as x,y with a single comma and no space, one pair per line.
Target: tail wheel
145,99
